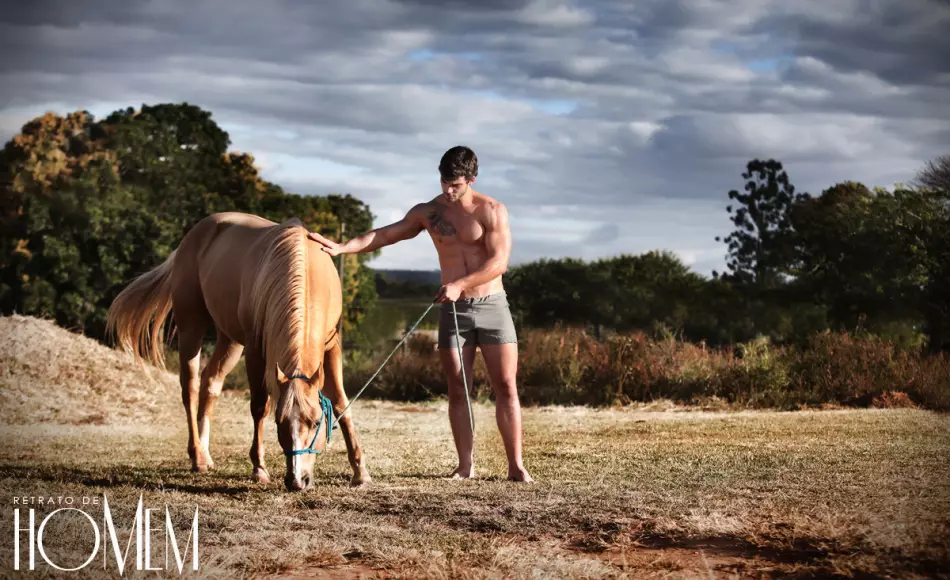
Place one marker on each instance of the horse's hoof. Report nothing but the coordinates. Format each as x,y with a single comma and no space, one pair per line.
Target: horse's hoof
202,466
361,480
261,476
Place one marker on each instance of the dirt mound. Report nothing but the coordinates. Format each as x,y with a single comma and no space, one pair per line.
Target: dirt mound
49,374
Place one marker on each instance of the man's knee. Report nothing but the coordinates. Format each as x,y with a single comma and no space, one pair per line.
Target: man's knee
506,388
456,391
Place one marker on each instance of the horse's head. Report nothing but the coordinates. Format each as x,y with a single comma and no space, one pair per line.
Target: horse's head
303,424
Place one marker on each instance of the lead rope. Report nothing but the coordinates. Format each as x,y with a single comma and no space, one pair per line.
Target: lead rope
353,400
471,418
468,403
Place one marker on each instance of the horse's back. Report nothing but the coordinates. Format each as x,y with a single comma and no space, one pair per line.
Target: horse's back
244,220
214,259
221,257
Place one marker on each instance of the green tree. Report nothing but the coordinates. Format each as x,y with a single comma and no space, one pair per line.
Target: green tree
52,159
877,259
760,248
924,230
622,293
643,291
548,292
935,176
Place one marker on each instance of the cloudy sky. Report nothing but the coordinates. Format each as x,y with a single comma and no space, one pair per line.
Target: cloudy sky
606,127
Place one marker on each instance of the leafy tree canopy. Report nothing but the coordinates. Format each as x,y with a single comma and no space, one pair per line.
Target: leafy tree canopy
86,205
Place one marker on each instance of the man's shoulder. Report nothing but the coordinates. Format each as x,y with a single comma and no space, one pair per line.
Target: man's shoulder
427,206
489,206
421,209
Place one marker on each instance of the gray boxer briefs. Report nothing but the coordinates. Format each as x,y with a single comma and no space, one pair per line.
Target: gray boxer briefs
484,320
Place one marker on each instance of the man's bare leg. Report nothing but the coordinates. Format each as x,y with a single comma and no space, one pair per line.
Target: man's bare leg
458,411
501,360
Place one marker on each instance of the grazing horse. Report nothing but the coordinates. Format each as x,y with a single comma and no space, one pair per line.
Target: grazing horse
272,296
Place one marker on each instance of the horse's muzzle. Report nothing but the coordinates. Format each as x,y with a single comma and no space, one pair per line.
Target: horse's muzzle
298,483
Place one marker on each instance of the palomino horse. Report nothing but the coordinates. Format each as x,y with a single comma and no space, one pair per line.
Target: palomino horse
271,295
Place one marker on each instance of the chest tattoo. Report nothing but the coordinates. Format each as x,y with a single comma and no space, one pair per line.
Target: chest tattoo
440,224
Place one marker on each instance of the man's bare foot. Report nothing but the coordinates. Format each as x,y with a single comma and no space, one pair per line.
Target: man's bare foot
520,475
463,473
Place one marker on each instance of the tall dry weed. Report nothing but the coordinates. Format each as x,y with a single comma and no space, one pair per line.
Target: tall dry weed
567,365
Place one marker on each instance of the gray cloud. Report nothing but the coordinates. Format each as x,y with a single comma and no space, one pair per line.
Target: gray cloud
900,42
600,112
603,234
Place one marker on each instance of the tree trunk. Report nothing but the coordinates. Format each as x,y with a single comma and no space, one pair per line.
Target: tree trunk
937,341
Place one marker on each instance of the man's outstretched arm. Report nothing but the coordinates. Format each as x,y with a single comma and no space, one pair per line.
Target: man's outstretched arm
406,228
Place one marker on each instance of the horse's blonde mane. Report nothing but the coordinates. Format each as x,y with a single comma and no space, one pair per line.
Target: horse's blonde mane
279,309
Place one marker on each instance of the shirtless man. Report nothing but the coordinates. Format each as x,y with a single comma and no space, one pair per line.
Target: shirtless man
471,235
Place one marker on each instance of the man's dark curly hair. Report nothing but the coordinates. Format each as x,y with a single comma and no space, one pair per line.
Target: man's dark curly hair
459,161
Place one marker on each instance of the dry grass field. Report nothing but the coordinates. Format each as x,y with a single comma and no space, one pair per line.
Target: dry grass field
655,491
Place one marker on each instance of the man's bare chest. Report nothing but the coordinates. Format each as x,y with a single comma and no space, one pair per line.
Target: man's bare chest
448,226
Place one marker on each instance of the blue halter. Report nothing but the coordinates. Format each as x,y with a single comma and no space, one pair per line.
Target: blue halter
327,408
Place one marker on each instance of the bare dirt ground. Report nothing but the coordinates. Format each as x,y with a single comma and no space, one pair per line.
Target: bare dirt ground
648,492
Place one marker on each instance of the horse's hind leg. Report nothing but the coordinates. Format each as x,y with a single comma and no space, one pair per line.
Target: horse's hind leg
191,330
226,354
333,389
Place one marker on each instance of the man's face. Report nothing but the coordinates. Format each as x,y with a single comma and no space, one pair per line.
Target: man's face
456,188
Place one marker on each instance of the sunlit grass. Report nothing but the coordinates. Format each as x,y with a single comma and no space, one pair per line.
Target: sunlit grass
859,491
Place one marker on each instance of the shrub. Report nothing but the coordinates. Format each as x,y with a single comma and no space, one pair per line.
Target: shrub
844,368
567,365
757,376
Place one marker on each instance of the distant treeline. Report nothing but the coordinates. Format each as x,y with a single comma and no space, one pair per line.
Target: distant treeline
850,259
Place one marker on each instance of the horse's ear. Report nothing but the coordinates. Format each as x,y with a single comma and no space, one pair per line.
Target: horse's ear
281,377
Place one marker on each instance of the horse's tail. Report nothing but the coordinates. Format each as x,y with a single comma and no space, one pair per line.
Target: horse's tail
132,312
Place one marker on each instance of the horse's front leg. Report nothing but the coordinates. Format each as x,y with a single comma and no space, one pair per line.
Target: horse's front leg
333,389
260,406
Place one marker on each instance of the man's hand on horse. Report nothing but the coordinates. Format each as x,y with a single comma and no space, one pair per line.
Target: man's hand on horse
329,246
448,293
